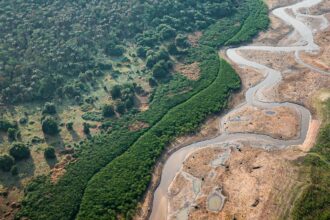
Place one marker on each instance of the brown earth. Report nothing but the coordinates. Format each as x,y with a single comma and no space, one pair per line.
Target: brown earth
194,38
299,87
259,184
321,60
191,71
278,122
251,180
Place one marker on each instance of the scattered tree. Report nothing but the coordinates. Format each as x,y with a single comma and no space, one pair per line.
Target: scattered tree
116,92
50,126
19,151
49,153
86,128
12,134
69,125
108,111
14,170
6,162
49,108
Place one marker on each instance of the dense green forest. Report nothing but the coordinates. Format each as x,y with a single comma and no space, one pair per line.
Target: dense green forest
55,50
49,47
314,203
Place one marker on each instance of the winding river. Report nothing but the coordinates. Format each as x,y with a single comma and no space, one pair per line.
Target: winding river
253,97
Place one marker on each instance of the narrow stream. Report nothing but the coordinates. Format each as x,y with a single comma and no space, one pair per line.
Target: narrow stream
253,97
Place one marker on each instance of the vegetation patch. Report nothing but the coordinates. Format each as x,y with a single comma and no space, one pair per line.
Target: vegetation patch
314,202
113,168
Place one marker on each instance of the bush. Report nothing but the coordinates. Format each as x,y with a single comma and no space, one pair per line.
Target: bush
12,134
5,125
141,52
14,170
166,32
86,127
121,108
69,125
108,111
49,108
6,162
181,41
49,153
114,50
116,92
50,126
19,151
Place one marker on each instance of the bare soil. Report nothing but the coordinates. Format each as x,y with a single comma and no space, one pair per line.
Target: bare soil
278,122
191,71
251,181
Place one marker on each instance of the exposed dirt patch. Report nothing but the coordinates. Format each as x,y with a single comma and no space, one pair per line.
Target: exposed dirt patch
143,103
278,122
279,3
258,184
191,71
59,169
194,38
321,60
138,125
281,61
299,87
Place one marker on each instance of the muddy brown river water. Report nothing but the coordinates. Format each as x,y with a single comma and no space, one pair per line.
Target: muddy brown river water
253,97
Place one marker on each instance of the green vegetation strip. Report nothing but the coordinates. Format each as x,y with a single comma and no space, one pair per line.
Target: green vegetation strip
314,203
118,187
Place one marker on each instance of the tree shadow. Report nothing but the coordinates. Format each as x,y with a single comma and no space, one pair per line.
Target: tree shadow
74,135
55,141
52,162
26,169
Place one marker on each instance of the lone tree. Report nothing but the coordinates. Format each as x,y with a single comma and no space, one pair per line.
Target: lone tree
50,126
108,111
19,151
50,153
6,162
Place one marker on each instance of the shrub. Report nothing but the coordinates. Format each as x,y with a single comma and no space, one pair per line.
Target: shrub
5,125
108,111
6,162
86,128
14,170
49,153
121,108
50,126
12,134
19,151
116,92
69,125
49,108
181,41
114,50
141,52
166,32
